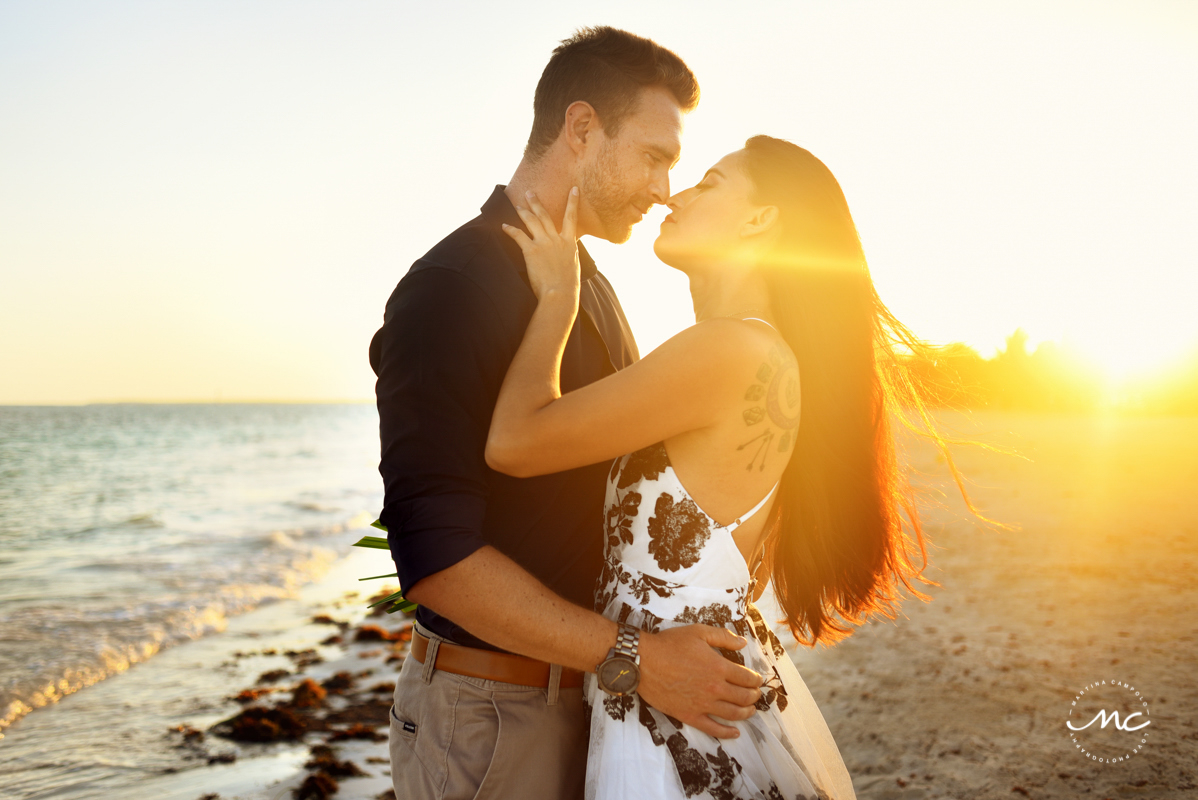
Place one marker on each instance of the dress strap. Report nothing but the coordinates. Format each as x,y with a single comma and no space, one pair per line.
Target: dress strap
736,523
758,319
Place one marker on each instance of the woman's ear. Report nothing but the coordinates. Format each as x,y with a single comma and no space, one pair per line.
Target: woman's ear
764,220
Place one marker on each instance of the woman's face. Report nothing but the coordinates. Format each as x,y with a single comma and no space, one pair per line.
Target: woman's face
707,223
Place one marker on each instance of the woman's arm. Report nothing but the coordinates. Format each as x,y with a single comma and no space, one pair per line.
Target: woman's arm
683,385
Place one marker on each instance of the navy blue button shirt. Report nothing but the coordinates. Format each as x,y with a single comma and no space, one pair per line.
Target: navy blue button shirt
450,329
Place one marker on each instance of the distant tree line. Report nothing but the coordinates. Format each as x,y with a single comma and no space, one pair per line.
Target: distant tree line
1048,379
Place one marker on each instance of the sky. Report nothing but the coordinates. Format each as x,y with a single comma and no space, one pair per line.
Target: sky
213,201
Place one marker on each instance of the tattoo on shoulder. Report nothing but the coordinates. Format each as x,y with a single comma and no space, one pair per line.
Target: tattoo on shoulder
774,402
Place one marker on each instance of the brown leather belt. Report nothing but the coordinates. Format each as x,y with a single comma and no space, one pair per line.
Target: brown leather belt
492,666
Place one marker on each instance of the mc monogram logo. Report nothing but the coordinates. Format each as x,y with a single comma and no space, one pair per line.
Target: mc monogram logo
1114,717
1122,716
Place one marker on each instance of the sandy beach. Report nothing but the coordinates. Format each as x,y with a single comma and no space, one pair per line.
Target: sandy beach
962,697
967,696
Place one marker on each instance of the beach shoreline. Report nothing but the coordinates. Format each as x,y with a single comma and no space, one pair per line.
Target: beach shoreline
171,701
963,697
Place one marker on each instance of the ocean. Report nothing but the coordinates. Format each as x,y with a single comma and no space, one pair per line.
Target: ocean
125,529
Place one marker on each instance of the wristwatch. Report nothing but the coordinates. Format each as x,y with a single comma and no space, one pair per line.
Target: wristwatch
620,673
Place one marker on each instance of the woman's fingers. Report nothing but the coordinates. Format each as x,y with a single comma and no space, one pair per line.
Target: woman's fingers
542,215
530,220
520,236
541,226
570,221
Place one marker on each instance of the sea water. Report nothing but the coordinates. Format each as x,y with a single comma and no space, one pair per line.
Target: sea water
125,529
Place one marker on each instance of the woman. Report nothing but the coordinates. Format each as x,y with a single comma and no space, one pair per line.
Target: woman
717,487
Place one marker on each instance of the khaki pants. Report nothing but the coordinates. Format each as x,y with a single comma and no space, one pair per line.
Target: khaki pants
457,738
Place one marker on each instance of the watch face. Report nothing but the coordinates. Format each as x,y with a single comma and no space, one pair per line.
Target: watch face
618,676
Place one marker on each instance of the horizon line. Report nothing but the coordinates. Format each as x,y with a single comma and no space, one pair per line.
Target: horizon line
236,402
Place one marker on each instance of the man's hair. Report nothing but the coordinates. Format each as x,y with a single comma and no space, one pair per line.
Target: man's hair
607,68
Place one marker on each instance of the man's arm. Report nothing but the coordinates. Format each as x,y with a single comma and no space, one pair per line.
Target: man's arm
494,598
440,360
436,357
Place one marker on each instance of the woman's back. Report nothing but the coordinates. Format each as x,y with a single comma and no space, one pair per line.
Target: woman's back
732,464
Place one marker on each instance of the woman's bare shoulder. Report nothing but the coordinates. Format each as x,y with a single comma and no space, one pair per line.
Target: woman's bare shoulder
724,347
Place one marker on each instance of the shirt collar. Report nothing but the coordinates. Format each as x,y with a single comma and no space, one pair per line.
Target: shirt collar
499,209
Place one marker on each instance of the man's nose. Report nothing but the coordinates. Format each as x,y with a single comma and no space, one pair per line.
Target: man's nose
659,190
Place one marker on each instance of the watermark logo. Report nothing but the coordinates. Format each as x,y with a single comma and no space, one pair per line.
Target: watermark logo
1109,722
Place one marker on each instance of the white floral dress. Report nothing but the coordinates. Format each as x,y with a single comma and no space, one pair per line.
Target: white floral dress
667,563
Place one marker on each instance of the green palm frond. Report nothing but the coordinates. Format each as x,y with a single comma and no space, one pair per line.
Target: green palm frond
392,602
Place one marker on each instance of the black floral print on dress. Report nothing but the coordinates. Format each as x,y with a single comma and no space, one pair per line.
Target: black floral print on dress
619,519
610,579
764,634
651,622
715,614
618,707
735,656
646,584
726,771
692,767
776,644
645,464
650,724
773,692
677,533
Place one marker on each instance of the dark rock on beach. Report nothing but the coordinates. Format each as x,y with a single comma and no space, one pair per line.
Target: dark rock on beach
340,683
373,633
302,659
251,695
324,759
319,786
273,676
308,694
257,724
358,730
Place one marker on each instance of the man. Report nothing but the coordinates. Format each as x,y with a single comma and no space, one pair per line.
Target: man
490,703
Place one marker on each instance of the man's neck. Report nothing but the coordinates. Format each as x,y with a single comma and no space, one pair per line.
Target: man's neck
549,182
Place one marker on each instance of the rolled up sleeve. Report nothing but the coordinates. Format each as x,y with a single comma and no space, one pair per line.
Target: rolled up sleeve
440,358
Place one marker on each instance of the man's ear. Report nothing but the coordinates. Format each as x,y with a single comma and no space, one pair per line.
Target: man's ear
764,220
581,124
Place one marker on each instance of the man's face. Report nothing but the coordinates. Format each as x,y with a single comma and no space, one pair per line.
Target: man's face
623,177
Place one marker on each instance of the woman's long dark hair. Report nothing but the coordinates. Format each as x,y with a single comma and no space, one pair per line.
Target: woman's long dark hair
837,541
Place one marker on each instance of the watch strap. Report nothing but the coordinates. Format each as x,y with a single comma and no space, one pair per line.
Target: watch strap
628,642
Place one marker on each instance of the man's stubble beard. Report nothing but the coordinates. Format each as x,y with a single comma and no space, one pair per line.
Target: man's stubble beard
607,200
